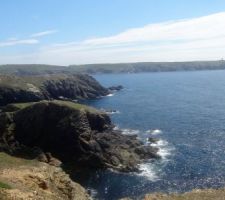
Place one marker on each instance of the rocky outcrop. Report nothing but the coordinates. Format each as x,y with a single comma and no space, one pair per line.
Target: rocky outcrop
116,88
72,133
15,89
40,182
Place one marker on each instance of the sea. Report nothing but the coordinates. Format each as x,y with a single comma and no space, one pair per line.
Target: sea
185,111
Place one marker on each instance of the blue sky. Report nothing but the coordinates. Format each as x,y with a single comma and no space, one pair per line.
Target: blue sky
100,31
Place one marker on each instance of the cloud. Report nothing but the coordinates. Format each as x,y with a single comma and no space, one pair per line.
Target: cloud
207,27
28,41
201,38
43,33
13,42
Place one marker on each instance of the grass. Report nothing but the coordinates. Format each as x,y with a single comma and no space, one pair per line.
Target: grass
5,185
204,194
16,106
7,161
77,106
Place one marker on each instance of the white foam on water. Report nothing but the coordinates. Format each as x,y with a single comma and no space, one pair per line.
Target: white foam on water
151,170
110,95
164,148
112,112
93,193
159,143
164,152
148,171
130,132
116,128
154,131
115,112
127,131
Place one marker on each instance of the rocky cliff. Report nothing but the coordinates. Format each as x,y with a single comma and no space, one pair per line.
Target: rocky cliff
71,133
15,89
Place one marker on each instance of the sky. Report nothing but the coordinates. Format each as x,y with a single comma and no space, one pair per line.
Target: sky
114,31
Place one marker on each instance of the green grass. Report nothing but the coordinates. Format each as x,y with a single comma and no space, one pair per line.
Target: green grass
16,106
5,185
77,106
7,161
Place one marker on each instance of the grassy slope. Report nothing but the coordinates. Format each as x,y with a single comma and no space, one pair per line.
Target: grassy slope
7,161
72,105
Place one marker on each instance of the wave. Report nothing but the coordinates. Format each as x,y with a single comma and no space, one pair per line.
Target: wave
154,131
165,149
116,128
151,170
148,171
114,112
127,131
110,112
110,95
130,132
159,143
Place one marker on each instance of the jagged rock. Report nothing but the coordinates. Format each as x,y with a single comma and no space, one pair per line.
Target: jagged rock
72,133
116,88
14,89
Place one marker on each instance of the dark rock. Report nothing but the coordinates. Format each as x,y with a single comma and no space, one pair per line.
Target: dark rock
153,140
72,133
116,88
15,89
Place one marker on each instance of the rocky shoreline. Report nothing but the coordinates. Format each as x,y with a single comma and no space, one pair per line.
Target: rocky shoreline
39,121
16,89
72,133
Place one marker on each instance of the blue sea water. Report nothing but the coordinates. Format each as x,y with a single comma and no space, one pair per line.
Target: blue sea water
186,111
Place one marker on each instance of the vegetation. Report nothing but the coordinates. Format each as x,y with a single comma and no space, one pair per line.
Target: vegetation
8,161
4,185
77,106
111,68
17,89
18,106
206,194
149,67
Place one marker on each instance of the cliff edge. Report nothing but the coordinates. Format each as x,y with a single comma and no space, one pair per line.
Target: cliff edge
71,133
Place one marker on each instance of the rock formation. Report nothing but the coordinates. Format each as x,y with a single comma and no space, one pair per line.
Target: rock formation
72,133
14,89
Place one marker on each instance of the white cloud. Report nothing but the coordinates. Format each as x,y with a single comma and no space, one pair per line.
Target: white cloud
28,41
43,33
200,38
13,42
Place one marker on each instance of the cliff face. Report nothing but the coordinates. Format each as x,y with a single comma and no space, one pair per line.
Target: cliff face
72,133
15,89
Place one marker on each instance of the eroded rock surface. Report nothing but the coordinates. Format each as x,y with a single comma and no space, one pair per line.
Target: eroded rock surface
71,133
15,89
